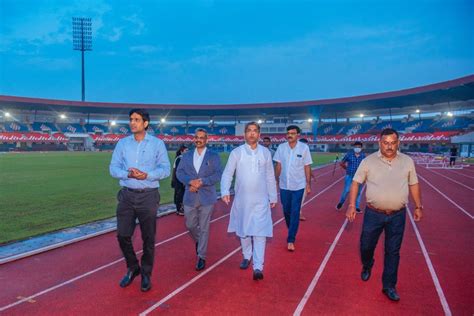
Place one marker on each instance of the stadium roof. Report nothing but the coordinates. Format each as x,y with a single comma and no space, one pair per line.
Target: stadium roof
456,94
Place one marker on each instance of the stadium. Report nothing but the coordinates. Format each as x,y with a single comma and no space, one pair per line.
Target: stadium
55,159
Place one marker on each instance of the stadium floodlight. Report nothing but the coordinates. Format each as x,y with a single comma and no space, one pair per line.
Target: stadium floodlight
418,111
63,116
113,123
163,120
7,114
450,114
310,120
361,115
259,121
82,40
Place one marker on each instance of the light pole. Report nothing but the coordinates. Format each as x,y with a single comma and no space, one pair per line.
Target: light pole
82,40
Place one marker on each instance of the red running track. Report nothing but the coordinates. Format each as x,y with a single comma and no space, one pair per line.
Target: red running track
320,277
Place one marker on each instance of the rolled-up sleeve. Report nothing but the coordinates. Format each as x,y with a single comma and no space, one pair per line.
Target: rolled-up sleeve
163,165
117,168
228,174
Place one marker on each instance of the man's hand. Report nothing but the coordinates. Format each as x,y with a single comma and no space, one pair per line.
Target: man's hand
226,199
351,213
196,183
308,188
135,173
418,214
272,205
193,189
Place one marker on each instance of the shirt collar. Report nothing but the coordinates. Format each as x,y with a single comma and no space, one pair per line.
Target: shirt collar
379,154
203,152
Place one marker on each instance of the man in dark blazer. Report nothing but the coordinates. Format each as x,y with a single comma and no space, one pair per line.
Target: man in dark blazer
199,169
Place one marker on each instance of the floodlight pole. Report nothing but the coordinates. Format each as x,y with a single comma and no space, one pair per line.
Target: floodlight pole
82,40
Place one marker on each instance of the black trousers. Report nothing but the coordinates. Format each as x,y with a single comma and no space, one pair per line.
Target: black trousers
394,226
178,196
142,206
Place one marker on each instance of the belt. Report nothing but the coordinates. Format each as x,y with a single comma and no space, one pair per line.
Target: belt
139,190
386,212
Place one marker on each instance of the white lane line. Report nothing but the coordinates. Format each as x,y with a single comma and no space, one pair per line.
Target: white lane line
193,280
315,280
23,300
446,197
461,174
450,179
439,289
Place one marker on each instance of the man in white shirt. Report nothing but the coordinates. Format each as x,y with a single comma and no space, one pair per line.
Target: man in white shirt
293,174
255,195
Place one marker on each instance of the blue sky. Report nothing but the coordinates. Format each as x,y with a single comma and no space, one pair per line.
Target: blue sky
214,52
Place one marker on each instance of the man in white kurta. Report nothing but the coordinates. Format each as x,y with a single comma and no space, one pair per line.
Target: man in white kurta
255,195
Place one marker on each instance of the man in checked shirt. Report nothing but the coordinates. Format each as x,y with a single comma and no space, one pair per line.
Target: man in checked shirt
351,162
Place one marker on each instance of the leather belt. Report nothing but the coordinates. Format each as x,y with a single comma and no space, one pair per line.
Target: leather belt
140,190
386,212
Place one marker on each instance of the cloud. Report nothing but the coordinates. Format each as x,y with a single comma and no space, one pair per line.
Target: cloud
51,63
145,49
117,34
139,25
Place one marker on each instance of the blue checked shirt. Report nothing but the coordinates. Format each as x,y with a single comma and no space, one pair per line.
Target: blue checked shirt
353,162
149,155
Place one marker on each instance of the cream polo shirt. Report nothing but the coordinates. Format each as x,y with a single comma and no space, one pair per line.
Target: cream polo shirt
387,181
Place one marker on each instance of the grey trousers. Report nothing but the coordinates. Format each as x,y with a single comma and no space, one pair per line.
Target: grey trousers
197,222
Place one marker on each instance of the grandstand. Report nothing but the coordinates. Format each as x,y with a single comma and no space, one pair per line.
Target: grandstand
427,117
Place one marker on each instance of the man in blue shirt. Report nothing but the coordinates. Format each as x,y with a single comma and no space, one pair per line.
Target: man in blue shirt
139,161
351,162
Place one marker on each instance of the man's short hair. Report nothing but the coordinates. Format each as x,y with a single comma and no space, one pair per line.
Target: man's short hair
298,129
357,144
143,113
267,138
389,131
252,123
200,129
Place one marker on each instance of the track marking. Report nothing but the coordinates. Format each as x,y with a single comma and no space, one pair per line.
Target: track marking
461,174
26,299
439,289
193,280
462,184
446,197
315,280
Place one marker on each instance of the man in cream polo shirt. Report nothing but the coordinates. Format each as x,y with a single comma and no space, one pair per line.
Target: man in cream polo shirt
389,175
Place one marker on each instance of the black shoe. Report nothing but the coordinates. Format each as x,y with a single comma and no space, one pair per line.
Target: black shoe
180,213
201,264
128,278
146,283
197,245
365,274
338,206
245,264
257,275
391,293
358,210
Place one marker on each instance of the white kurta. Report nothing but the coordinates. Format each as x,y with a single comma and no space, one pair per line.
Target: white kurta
255,189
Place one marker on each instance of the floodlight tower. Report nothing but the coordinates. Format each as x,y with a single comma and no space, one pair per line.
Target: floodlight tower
82,40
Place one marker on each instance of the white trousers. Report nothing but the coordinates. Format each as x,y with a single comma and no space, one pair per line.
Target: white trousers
258,250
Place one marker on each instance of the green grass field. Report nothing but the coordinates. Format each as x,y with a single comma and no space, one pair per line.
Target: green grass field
43,192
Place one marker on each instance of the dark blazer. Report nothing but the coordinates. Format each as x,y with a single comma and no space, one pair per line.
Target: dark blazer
209,173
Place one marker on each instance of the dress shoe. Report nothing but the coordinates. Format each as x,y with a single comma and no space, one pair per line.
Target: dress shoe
146,283
201,264
291,246
257,275
391,293
338,206
128,278
245,264
365,274
358,210
302,218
